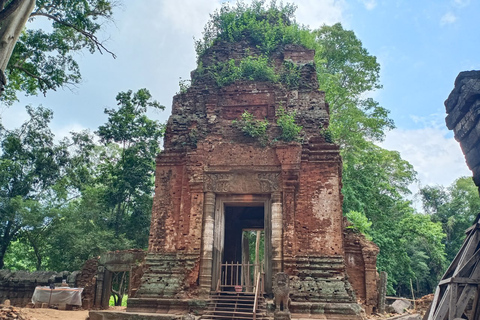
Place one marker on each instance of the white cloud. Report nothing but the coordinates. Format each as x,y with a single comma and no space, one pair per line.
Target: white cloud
369,4
65,130
315,13
448,18
461,3
188,16
12,117
437,158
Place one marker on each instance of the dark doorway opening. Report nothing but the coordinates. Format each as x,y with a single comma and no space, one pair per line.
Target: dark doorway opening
244,247
237,219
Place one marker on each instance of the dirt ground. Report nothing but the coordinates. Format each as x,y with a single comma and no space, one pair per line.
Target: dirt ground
52,314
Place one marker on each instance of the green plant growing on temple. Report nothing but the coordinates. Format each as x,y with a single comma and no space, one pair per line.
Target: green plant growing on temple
327,134
286,121
359,223
252,127
184,85
290,75
265,26
249,68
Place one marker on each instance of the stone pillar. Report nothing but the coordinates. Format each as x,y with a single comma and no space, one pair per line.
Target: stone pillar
107,289
277,232
99,286
289,239
207,240
382,292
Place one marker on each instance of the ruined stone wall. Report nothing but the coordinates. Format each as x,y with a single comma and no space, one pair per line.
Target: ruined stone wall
463,109
206,158
361,263
18,286
87,280
318,214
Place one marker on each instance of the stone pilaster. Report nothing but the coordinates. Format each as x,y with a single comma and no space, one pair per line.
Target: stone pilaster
207,243
277,233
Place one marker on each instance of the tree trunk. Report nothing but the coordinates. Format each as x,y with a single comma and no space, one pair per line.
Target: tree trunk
4,243
2,256
12,21
3,250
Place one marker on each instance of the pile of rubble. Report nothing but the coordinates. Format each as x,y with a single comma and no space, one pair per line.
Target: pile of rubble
404,309
422,305
9,313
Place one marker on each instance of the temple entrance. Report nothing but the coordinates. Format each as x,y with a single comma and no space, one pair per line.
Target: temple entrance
242,264
242,255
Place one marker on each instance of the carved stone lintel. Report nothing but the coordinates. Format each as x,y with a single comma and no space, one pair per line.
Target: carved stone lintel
242,182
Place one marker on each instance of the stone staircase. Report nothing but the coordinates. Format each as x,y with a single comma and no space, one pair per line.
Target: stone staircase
234,305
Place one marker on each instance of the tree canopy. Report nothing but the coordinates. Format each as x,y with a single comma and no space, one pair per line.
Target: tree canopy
77,193
43,57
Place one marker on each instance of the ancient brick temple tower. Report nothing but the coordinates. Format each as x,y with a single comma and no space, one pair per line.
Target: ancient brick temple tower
212,181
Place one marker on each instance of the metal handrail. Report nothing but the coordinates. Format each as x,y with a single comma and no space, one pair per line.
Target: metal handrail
236,274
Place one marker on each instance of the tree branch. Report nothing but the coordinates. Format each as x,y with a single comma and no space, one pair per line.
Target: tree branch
34,76
89,35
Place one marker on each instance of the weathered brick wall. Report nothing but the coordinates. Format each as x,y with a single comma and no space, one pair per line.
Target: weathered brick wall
204,153
463,109
361,263
87,280
318,214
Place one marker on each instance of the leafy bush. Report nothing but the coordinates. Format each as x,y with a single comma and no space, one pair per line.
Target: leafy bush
290,130
327,134
249,68
290,75
264,27
258,69
252,127
184,85
360,223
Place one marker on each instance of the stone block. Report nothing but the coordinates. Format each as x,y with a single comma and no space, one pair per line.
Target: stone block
44,305
87,304
408,317
282,315
65,306
473,157
400,305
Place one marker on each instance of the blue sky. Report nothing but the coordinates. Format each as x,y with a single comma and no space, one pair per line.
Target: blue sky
421,46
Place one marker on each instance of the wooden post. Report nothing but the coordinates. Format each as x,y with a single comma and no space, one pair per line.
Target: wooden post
245,259
257,256
476,304
413,296
452,308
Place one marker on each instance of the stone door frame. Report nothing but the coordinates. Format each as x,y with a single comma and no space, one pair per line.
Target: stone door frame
214,234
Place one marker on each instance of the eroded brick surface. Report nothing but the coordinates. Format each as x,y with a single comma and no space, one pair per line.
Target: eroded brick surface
361,263
204,153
